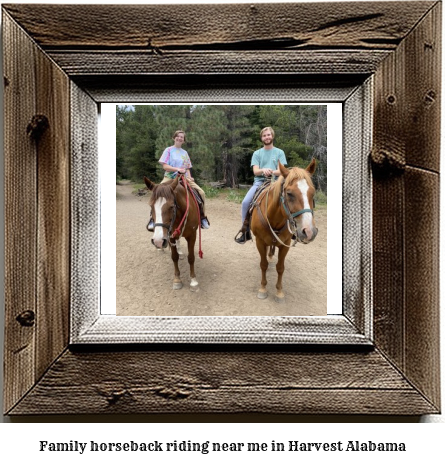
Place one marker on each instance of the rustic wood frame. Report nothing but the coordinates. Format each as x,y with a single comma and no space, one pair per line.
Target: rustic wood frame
67,60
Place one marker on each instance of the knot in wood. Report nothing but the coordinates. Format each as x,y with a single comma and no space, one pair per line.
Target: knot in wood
115,396
37,126
389,162
26,318
173,393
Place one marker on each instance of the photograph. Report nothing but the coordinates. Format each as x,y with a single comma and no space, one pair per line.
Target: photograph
221,210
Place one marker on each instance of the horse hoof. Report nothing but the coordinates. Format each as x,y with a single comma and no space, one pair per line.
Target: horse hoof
262,295
279,299
177,286
194,285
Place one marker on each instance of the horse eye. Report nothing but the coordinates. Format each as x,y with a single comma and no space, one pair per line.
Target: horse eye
290,195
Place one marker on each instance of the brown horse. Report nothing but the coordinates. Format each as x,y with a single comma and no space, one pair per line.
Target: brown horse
283,210
175,215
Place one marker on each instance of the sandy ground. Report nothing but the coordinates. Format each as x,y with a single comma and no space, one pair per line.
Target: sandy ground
228,274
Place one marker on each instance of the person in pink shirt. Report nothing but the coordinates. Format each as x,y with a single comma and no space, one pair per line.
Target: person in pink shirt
176,160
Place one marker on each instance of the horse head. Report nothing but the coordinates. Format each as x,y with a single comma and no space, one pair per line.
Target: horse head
163,210
298,199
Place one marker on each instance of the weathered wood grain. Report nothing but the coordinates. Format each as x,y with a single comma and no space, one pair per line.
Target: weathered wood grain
422,323
123,63
406,205
53,223
37,215
373,25
20,214
423,92
223,382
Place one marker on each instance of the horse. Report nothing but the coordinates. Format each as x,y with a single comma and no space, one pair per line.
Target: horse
283,211
176,214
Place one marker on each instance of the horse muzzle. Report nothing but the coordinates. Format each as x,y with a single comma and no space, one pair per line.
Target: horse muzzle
307,235
160,243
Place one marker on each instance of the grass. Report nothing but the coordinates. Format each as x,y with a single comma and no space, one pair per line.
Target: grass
321,198
210,192
235,195
136,187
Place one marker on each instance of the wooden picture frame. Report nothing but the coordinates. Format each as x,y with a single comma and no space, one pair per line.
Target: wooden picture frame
57,70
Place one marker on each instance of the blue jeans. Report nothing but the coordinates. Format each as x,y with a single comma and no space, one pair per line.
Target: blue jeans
248,199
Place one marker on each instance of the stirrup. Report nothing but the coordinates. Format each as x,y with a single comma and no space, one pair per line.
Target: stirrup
246,235
237,234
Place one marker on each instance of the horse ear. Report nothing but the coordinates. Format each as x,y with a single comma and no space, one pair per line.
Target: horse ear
283,170
150,185
311,168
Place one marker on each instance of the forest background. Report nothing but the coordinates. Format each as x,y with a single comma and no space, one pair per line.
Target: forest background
220,139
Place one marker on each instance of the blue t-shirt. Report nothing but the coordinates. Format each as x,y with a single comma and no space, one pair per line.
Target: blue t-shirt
268,158
177,158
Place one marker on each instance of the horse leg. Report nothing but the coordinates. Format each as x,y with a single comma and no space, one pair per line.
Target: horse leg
191,259
262,249
177,283
282,252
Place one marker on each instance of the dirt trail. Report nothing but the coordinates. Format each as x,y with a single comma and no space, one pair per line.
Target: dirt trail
229,274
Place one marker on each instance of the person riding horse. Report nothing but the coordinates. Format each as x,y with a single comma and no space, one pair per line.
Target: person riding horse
176,160
265,165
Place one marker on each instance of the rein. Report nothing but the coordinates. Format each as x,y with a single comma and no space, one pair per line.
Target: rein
188,188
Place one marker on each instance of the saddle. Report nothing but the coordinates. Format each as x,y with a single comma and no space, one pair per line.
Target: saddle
259,195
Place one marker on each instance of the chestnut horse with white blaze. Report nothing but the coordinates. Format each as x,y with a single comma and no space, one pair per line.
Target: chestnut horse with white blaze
284,209
175,214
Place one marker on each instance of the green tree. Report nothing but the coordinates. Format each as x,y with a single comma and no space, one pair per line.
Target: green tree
236,148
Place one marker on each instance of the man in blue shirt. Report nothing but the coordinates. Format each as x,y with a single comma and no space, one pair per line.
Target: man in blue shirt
265,164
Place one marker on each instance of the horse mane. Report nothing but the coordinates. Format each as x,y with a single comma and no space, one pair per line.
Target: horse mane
163,190
295,174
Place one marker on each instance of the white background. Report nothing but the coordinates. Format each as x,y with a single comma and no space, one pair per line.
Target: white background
19,438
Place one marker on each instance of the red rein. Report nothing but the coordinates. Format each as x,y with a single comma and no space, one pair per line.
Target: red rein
177,231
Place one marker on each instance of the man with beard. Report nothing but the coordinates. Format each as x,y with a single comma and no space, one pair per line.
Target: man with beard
265,165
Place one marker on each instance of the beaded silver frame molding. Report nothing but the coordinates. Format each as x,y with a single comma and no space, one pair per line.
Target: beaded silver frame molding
353,326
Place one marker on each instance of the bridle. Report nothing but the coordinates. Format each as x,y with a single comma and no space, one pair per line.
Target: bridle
169,227
292,216
290,222
177,233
